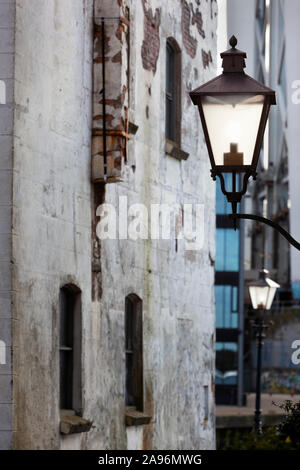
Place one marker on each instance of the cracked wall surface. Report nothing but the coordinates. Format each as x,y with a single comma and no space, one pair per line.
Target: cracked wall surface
54,224
176,285
52,204
151,41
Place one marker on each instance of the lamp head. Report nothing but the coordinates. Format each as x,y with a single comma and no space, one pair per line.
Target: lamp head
262,291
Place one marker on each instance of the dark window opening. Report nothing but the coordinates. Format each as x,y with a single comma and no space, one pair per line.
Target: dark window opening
206,402
134,352
70,349
173,91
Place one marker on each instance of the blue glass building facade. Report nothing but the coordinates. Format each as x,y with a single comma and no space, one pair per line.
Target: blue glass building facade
227,295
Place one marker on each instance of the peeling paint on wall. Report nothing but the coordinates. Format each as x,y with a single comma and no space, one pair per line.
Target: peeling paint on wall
151,42
98,199
206,58
190,17
197,19
190,43
116,61
58,228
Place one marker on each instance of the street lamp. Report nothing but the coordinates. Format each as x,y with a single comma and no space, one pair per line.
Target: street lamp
234,110
262,293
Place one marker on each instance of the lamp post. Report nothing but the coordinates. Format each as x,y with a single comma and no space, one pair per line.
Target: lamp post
262,293
234,110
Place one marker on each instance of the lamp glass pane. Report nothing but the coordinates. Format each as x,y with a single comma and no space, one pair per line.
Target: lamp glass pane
232,122
259,296
272,292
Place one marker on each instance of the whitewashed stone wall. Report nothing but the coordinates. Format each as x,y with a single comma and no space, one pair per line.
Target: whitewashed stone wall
176,287
54,219
52,215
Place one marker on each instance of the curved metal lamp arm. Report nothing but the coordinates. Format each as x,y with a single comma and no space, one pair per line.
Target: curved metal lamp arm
272,224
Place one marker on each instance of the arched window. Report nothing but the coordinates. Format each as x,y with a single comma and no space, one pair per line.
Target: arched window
173,91
134,351
70,348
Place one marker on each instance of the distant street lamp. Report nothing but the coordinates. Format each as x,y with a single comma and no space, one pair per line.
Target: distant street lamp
262,293
234,110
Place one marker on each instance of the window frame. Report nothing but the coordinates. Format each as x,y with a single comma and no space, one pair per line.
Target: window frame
134,386
173,92
70,399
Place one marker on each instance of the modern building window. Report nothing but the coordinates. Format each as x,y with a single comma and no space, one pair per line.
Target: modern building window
227,366
173,91
70,349
227,257
228,290
227,301
134,352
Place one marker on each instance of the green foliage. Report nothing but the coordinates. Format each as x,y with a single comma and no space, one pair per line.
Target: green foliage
290,425
285,436
269,440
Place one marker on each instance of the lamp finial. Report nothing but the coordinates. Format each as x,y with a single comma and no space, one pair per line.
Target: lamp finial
233,41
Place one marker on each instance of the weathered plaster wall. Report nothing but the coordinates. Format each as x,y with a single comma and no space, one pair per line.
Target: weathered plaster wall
54,217
7,23
176,286
51,221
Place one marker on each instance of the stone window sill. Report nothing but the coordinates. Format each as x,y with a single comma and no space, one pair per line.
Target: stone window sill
71,424
173,150
136,418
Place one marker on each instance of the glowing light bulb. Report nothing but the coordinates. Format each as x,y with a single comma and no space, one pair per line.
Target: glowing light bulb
234,131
